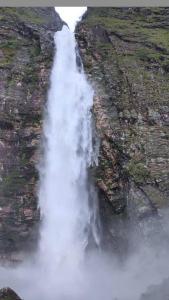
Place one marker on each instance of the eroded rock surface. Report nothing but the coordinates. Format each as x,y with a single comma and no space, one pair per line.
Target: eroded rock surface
26,55
126,56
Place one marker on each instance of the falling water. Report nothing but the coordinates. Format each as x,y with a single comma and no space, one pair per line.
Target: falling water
64,197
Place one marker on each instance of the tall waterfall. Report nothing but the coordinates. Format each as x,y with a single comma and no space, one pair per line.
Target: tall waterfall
65,193
58,270
64,197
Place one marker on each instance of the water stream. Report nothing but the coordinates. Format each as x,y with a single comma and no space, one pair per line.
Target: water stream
64,193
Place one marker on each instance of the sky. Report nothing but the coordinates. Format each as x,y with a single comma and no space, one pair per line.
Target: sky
71,15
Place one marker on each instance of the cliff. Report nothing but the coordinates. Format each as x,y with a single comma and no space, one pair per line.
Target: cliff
26,55
125,52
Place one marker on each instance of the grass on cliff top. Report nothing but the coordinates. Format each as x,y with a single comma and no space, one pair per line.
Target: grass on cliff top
134,30
148,14
23,14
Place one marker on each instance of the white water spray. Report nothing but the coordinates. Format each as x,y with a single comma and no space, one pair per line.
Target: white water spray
64,198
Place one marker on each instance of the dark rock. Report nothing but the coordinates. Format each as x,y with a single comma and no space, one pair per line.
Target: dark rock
125,55
26,51
8,294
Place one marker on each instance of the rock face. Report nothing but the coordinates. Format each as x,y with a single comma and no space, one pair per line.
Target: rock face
26,55
125,52
8,294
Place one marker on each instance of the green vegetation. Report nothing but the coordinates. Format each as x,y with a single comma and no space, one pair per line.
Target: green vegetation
147,54
24,14
12,182
10,44
109,23
8,48
139,27
138,171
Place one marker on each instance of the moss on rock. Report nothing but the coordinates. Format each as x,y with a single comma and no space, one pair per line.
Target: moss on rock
138,171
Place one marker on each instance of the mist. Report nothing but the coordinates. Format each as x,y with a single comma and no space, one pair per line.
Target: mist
99,276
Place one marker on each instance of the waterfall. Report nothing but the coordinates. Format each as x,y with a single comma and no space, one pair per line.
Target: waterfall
67,198
64,196
68,210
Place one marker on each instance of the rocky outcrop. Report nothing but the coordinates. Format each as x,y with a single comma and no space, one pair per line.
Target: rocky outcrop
8,294
126,56
26,54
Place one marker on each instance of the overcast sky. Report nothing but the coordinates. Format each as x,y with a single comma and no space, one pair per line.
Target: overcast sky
71,15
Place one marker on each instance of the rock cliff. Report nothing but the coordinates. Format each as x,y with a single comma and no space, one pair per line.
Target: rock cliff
26,55
125,52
